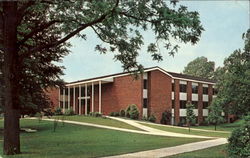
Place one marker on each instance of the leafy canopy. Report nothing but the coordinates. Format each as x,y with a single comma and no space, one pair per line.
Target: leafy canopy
200,67
234,85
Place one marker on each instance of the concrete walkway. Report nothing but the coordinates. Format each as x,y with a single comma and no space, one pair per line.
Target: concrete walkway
163,152
147,130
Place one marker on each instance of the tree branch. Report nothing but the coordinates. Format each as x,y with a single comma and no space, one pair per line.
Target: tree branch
39,29
23,9
76,31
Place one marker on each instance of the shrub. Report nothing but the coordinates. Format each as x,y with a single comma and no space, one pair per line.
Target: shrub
116,114
144,118
152,118
91,113
58,111
127,112
97,114
69,112
134,112
112,114
166,117
122,113
239,141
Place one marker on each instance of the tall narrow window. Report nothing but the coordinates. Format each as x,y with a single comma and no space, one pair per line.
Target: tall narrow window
195,89
183,88
173,105
145,84
205,105
172,87
195,103
205,90
145,103
183,104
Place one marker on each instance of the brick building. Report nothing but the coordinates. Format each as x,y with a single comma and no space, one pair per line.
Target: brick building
153,92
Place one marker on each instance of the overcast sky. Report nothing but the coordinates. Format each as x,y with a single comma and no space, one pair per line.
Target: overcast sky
224,23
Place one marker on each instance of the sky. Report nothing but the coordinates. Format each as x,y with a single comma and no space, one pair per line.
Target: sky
224,23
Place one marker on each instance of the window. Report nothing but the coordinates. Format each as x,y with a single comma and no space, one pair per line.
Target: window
66,91
195,89
205,90
173,105
205,105
61,91
183,88
195,103
172,87
145,84
183,104
215,91
145,103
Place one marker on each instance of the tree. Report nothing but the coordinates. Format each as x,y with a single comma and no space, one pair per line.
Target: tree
234,85
200,67
215,113
190,115
42,26
239,141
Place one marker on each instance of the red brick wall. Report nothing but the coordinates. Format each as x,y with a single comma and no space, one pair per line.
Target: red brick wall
125,90
160,93
177,101
189,91
200,103
210,93
53,94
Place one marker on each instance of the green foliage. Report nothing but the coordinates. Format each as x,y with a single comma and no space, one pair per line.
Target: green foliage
190,115
97,114
116,114
166,117
122,113
234,85
69,112
152,118
112,114
239,142
132,112
200,67
215,113
58,111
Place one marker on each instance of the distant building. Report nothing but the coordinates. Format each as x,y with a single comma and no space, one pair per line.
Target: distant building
154,92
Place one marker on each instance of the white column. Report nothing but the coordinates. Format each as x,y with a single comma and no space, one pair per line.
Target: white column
74,99
59,97
100,96
92,101
63,100
86,101
79,100
68,97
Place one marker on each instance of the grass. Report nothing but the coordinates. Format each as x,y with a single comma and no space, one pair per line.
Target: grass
98,120
185,131
222,127
213,152
82,141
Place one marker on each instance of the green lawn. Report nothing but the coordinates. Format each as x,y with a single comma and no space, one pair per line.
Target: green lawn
98,120
213,152
185,131
222,127
82,141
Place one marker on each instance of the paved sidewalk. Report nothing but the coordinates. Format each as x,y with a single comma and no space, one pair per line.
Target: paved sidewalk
163,152
154,131
148,130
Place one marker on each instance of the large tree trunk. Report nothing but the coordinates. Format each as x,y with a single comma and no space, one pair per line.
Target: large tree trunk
11,79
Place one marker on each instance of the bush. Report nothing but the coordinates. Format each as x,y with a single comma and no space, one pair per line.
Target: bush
152,118
133,112
69,112
122,113
116,114
112,114
127,112
97,114
166,117
239,141
91,113
58,111
144,118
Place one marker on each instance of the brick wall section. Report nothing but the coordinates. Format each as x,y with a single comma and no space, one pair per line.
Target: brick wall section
200,103
177,102
210,93
160,94
125,90
53,94
189,91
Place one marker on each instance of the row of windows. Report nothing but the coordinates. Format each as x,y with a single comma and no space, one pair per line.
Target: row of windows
76,91
183,88
195,103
